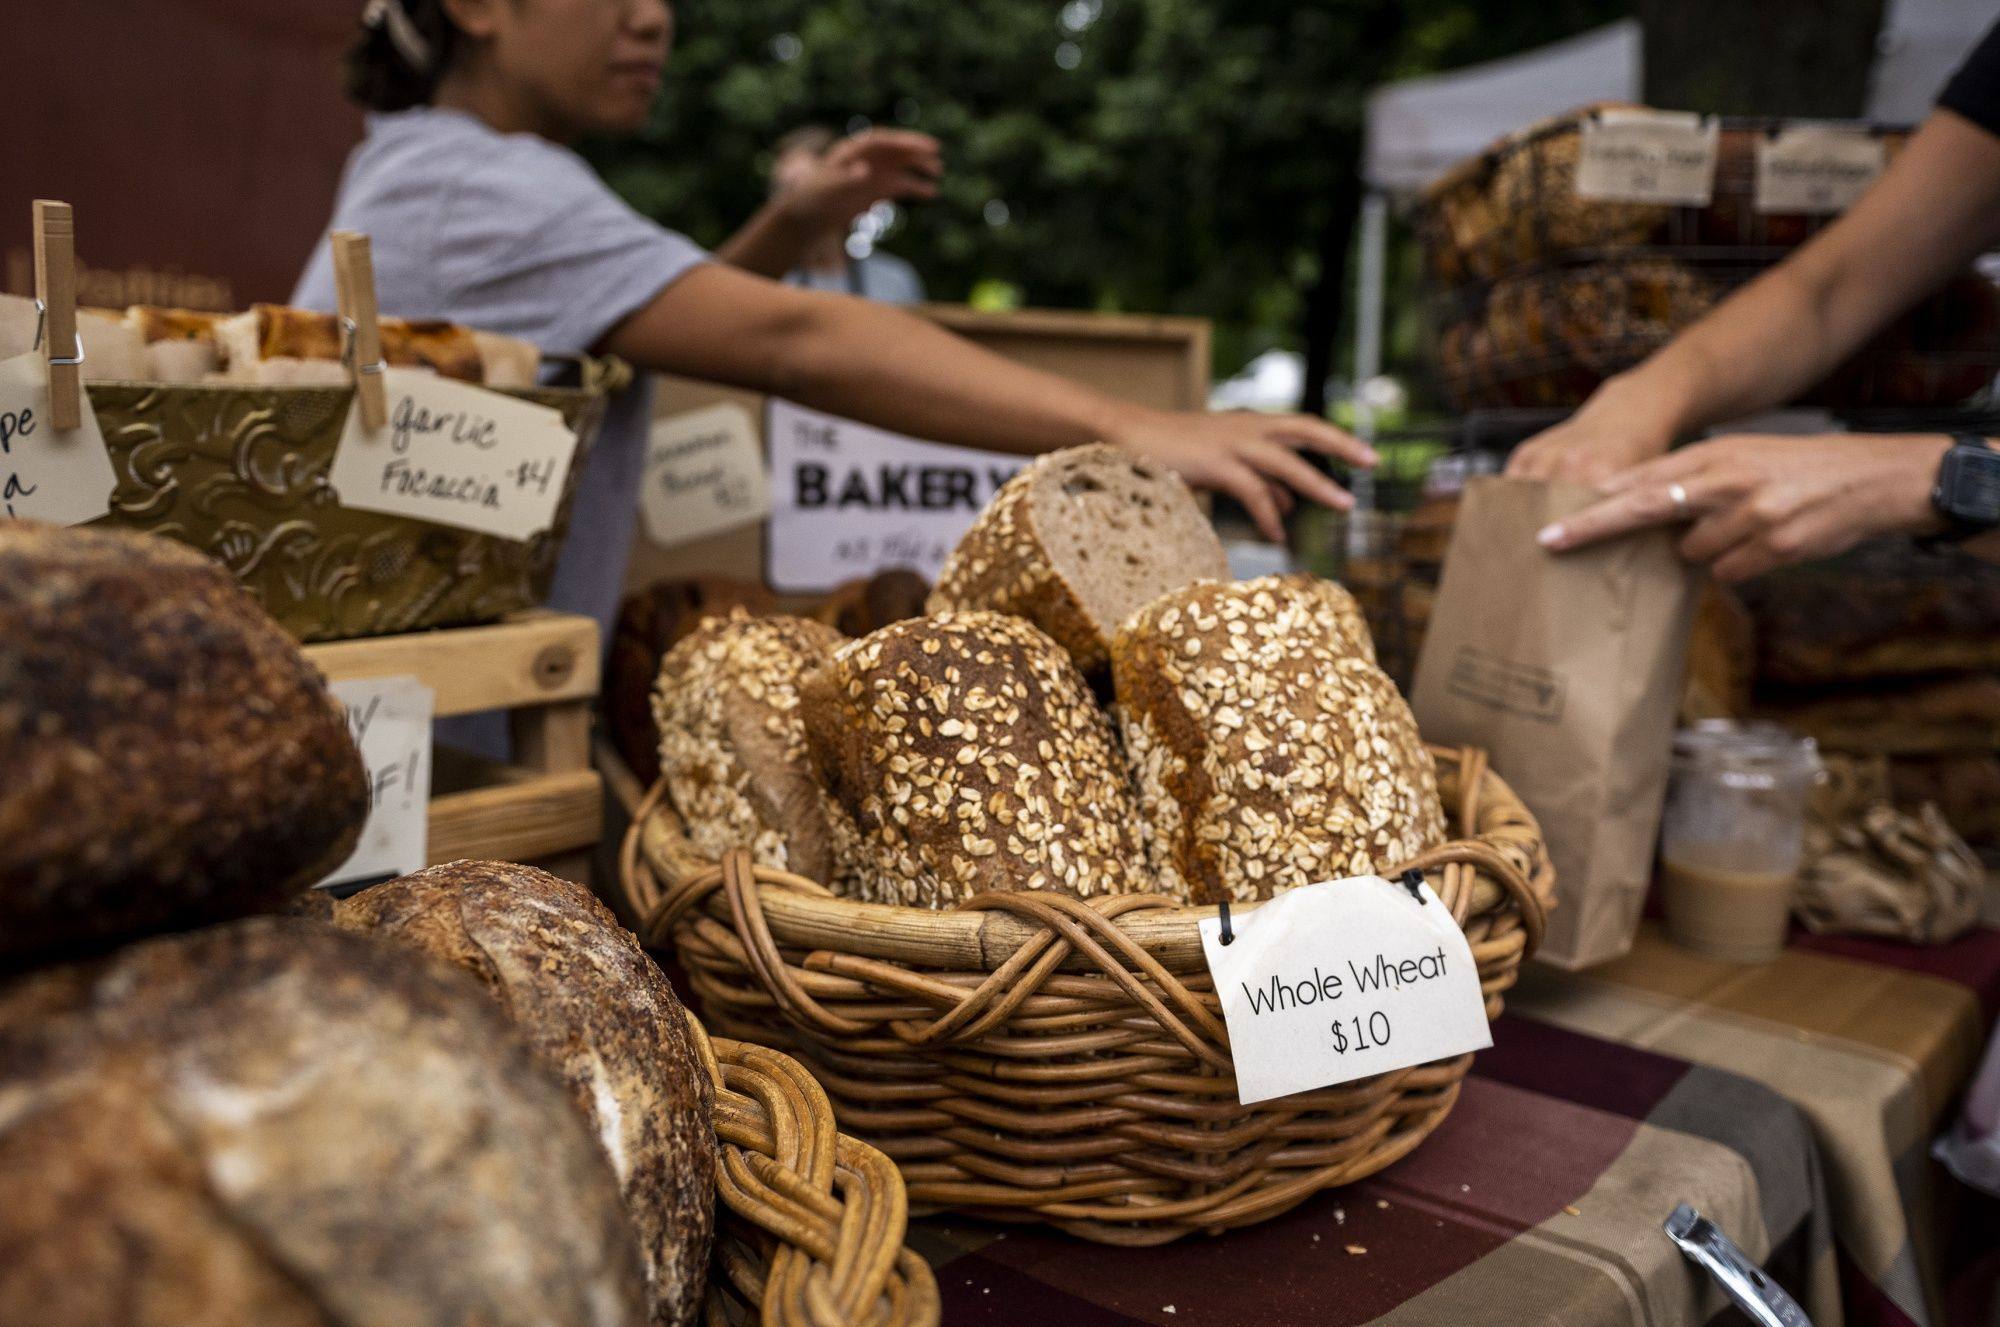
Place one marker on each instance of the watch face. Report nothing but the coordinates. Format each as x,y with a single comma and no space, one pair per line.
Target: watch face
1970,486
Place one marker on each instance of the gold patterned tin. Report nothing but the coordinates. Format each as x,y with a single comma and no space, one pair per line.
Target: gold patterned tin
240,472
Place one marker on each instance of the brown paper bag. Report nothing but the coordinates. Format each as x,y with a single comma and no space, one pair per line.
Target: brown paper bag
1567,669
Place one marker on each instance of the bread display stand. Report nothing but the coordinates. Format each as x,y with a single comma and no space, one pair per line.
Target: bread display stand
542,668
1032,1056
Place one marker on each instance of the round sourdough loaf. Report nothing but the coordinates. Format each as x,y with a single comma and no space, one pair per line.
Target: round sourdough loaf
171,756
1078,542
597,1011
1268,749
272,1123
732,744
964,753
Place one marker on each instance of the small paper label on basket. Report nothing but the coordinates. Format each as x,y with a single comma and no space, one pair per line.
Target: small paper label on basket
1342,980
63,478
1816,168
1634,156
390,720
457,455
704,474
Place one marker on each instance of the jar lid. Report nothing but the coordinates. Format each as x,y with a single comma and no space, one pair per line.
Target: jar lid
1749,747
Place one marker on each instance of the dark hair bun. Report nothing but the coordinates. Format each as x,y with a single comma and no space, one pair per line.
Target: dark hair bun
382,76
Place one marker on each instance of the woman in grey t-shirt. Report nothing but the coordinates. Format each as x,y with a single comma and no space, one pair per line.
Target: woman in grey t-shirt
481,213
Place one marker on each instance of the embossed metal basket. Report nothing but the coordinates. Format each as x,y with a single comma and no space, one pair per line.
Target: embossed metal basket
240,472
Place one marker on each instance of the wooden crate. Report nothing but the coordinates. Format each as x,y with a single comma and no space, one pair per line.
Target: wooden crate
542,669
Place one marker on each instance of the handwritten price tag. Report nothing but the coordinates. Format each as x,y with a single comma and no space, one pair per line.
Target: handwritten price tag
457,455
1816,168
390,720
704,474
1636,156
64,478
1342,980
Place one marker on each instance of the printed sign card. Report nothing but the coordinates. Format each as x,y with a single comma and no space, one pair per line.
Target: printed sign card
390,719
1342,980
1816,168
1639,156
704,474
63,478
848,500
456,455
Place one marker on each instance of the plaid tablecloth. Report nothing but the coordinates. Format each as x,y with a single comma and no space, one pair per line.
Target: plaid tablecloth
1791,1103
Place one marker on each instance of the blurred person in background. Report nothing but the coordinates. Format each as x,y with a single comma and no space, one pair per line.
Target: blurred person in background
812,162
480,212
1753,502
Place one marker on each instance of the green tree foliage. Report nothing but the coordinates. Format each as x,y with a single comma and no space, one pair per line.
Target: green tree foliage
1176,156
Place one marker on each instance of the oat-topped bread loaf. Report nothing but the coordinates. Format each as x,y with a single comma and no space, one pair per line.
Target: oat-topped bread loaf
597,1011
171,757
1078,542
652,621
732,744
1268,749
272,1124
965,753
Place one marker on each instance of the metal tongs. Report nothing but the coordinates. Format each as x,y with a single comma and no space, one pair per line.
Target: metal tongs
1762,1300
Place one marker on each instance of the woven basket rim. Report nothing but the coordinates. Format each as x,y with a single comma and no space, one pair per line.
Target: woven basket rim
987,930
810,1222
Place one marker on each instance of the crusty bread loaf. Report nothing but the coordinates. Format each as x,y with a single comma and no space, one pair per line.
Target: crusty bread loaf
1078,542
965,753
180,343
172,758
506,361
271,1122
733,745
597,1011
1268,749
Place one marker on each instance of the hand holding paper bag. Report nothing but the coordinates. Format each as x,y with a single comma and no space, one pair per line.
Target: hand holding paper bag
1567,670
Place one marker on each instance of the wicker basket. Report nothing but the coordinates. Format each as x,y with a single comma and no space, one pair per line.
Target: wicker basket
1030,1056
809,1229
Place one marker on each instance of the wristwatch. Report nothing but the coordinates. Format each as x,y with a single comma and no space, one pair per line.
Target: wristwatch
1967,492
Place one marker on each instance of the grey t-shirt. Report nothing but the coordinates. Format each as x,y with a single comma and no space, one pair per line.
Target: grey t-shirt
512,233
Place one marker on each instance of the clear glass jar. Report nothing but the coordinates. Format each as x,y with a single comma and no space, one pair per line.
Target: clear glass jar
1732,836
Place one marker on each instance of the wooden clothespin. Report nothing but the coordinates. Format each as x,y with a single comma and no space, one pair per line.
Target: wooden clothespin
55,288
360,322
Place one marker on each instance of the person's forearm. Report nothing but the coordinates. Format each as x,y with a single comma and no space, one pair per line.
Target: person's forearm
771,243
1926,219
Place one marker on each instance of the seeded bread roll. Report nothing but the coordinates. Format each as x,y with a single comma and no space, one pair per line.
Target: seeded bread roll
1268,749
964,753
1078,542
598,1012
733,745
171,757
272,1124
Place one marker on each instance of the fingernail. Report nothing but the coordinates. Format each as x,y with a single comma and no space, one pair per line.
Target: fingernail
1550,536
1369,456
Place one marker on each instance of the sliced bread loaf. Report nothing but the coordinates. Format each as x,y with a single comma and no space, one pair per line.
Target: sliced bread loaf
965,753
1267,748
732,747
1078,542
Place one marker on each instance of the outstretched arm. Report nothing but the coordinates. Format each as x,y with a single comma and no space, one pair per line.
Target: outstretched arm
1933,211
886,367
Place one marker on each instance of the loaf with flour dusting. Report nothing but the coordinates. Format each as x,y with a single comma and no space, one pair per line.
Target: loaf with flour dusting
598,1013
965,753
1078,542
1267,748
732,742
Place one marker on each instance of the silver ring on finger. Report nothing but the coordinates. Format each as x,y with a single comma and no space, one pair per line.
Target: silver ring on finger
1679,497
